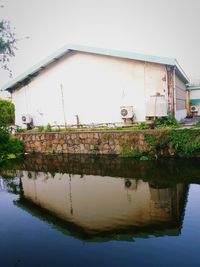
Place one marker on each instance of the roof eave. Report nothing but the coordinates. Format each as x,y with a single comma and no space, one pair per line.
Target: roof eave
16,83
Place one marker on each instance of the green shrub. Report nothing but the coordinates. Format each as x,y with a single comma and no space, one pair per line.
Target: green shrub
9,147
158,141
19,130
40,129
143,126
48,128
197,124
186,142
165,122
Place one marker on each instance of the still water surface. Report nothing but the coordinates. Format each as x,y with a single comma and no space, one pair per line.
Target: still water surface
87,211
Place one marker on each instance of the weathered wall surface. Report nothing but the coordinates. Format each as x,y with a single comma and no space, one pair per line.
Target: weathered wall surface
115,142
93,87
180,89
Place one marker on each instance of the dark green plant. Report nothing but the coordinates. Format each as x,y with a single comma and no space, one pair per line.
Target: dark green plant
40,129
144,158
165,122
158,142
7,113
9,147
197,124
48,128
143,126
132,154
186,142
19,130
94,148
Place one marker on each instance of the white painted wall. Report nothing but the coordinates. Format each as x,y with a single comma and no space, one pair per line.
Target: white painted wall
94,88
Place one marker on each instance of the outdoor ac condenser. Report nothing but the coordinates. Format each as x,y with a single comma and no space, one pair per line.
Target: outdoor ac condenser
26,119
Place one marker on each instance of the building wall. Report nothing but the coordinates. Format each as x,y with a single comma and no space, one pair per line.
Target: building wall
180,94
93,87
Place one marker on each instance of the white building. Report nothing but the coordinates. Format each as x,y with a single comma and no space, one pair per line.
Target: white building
194,99
94,83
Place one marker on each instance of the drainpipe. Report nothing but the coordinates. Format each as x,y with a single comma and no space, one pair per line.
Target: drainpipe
63,105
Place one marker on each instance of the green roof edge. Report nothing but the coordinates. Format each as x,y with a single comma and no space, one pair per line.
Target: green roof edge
193,87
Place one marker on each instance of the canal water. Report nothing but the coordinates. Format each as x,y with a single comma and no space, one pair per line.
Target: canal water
99,211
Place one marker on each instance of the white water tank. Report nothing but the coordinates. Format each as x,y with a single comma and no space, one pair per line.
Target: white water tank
156,106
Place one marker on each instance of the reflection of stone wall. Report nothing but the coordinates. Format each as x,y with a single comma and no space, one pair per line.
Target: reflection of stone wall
111,142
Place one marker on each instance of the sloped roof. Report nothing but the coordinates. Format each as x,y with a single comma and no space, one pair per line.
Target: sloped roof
27,75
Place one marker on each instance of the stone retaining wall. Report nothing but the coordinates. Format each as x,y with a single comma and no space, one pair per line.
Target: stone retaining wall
107,142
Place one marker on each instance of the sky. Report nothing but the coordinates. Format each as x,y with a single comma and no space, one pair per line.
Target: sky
169,28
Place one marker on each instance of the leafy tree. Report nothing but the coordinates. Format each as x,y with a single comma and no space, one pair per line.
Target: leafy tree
7,113
7,44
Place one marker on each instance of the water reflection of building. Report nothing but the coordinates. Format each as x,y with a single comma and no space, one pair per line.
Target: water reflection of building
102,204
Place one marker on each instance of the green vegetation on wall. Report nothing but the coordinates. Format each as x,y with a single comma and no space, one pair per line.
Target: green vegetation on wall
186,142
170,142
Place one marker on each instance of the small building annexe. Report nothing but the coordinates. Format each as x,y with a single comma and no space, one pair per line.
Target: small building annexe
91,84
194,99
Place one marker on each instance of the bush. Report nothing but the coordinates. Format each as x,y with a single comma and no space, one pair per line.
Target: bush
48,128
143,126
7,113
165,122
186,142
40,129
197,123
9,147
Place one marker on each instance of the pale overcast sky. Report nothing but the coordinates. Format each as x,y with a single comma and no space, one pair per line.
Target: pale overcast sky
169,28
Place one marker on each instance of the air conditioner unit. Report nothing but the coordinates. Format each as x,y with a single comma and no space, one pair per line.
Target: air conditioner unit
26,119
127,112
194,109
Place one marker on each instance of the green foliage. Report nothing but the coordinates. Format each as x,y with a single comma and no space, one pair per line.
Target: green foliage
7,44
186,142
197,123
165,122
7,113
144,158
132,154
19,130
94,148
158,142
181,143
48,128
9,147
143,126
40,129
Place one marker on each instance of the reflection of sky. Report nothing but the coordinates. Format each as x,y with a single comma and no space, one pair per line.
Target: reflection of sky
165,28
192,214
